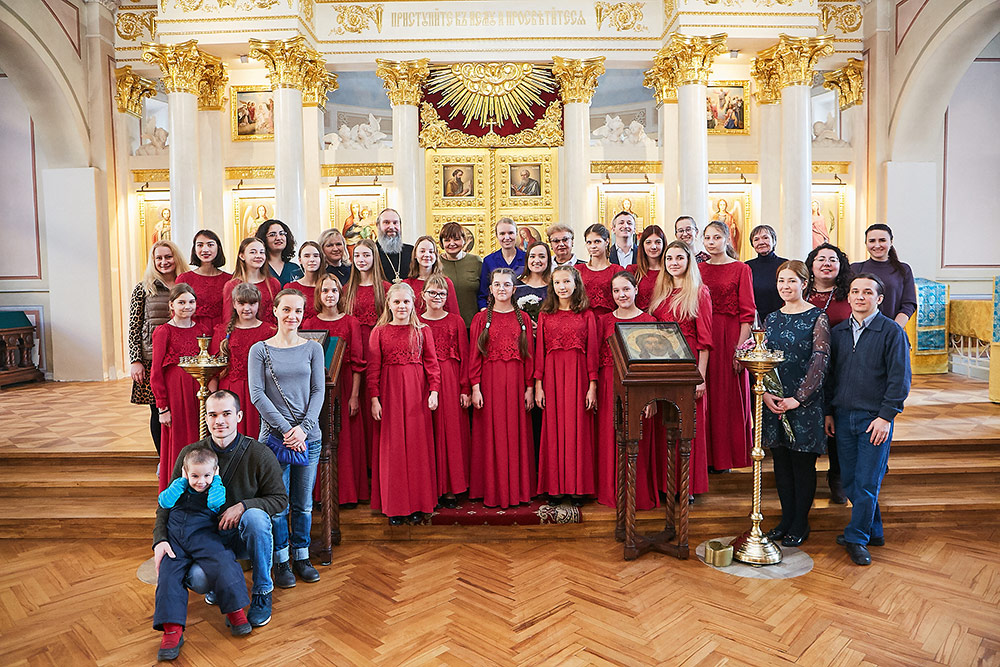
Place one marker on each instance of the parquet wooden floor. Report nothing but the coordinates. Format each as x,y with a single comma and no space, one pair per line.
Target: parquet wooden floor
929,598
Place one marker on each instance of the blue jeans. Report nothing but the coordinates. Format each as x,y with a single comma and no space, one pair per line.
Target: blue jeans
299,482
251,540
862,467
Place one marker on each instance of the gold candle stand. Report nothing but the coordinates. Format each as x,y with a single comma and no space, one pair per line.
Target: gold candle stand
203,367
754,547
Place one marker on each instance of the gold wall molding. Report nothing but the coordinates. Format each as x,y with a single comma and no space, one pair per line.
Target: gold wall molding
403,80
794,58
577,78
238,173
831,167
130,89
212,87
622,16
183,65
308,10
732,167
150,175
846,17
848,82
131,25
691,56
440,165
356,169
215,5
289,62
435,133
626,167
358,18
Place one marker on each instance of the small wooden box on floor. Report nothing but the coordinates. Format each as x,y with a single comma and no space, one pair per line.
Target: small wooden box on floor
17,340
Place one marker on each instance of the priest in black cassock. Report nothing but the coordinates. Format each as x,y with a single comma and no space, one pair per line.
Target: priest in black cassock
393,254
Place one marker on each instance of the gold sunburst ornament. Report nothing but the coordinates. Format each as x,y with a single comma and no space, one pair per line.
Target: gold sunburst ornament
490,93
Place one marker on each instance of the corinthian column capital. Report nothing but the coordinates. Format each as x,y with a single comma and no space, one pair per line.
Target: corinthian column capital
289,62
662,78
766,75
182,64
577,78
403,80
130,89
319,82
690,56
849,82
794,58
212,86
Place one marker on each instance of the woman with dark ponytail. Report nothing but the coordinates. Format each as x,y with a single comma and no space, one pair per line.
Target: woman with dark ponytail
899,300
500,372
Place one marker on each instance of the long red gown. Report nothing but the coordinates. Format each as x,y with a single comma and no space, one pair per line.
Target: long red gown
401,377
451,420
174,388
503,459
265,311
235,378
208,291
646,479
646,285
450,303
698,334
729,423
598,286
352,462
309,293
566,353
367,315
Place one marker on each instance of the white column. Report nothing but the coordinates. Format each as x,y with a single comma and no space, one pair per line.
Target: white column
575,169
211,130
185,200
769,167
668,157
312,127
796,172
692,149
408,170
289,161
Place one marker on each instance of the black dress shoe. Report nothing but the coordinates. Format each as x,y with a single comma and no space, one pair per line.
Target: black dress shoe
416,518
858,553
873,542
794,540
397,520
305,571
776,533
450,503
348,506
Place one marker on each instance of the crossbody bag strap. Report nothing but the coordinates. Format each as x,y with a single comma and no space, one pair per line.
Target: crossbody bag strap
270,368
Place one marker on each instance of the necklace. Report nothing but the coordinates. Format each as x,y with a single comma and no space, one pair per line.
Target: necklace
829,297
395,269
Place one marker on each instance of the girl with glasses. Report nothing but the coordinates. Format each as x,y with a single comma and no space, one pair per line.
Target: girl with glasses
426,262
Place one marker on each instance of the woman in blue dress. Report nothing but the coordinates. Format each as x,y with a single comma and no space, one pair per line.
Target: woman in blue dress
793,421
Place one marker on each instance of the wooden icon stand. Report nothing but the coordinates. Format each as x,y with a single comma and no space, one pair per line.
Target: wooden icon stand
328,469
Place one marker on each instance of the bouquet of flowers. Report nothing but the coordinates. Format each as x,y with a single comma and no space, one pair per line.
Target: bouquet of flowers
530,304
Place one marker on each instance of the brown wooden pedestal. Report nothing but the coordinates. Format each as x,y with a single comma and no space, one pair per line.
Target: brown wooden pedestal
17,339
328,468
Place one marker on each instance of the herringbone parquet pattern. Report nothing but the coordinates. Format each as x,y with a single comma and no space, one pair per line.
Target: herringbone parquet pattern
928,599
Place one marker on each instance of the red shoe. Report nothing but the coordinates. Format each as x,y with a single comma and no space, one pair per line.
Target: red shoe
238,623
173,639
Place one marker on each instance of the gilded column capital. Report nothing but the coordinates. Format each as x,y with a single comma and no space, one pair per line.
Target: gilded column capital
794,58
766,77
849,82
691,56
212,85
662,78
318,84
130,89
577,78
289,62
403,80
181,64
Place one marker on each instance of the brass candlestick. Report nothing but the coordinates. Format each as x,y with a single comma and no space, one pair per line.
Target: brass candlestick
203,367
753,546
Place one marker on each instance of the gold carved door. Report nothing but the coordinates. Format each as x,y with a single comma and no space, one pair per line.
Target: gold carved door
477,186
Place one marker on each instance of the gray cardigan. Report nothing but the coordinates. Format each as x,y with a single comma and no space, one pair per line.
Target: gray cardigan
300,371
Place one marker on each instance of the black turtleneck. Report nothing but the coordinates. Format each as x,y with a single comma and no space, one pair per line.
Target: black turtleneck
765,283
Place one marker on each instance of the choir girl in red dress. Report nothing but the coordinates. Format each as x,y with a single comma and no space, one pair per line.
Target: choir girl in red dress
426,262
501,374
404,380
598,272
176,390
623,291
250,261
680,297
313,268
566,352
731,286
352,459
207,278
648,264
451,419
234,340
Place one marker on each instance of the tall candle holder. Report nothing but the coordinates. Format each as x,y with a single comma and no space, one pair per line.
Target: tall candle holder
754,547
203,367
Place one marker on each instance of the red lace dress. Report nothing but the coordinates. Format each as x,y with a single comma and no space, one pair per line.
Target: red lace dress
235,378
451,420
598,286
646,285
310,294
265,311
367,315
646,482
698,334
174,388
503,459
729,421
566,353
401,376
208,292
352,460
450,303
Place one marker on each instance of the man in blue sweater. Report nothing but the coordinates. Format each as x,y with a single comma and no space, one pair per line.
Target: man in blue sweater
868,383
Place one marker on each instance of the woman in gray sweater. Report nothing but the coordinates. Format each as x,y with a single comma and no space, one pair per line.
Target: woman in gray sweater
286,374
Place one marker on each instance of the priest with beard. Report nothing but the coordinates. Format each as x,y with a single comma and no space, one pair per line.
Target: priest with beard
393,254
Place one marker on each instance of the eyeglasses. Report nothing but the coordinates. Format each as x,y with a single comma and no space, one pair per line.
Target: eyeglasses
564,240
434,294
271,235
685,230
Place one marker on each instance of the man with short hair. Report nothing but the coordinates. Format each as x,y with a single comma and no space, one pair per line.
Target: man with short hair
393,254
686,229
255,492
868,383
623,250
561,241
508,256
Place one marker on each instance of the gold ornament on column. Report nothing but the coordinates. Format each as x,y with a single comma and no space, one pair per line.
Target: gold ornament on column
662,78
403,80
766,75
318,84
849,82
212,86
691,56
130,89
794,58
182,64
577,78
289,62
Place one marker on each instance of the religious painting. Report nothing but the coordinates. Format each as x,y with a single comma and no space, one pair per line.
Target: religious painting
653,341
639,200
726,109
353,210
526,235
251,210
252,110
458,180
826,210
530,228
731,204
526,178
154,220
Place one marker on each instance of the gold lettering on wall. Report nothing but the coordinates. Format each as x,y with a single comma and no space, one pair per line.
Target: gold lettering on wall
488,18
